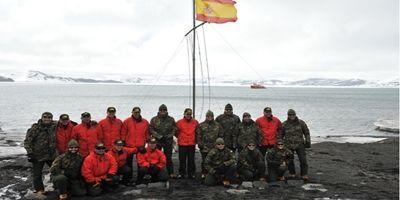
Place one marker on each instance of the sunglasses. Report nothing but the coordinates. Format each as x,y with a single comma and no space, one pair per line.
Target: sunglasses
73,147
251,145
279,144
220,144
47,117
100,148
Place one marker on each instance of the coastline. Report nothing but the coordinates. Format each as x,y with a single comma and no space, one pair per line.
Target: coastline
340,170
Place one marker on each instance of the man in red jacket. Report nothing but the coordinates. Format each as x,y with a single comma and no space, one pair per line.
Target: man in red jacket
99,171
87,134
64,133
186,129
269,126
136,133
152,162
120,155
111,128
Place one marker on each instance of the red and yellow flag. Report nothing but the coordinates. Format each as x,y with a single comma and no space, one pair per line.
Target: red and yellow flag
216,11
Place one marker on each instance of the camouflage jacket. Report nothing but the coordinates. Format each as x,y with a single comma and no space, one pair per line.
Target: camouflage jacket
248,133
228,124
206,134
68,164
40,141
294,133
163,129
217,158
249,159
277,156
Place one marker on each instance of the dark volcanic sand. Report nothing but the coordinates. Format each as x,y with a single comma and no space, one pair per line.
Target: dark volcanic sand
346,171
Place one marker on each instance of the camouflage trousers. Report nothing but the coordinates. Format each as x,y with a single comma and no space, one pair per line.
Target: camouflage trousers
253,174
301,153
275,171
65,185
221,174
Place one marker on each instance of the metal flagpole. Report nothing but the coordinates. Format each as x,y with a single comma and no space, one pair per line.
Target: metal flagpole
194,59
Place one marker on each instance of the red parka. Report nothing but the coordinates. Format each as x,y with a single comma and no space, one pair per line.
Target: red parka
87,136
186,132
136,134
151,157
96,167
63,136
120,158
269,128
111,129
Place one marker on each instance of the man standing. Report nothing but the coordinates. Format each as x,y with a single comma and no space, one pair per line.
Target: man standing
40,145
120,155
111,128
136,133
64,133
206,134
296,137
247,131
186,134
99,171
151,162
163,128
251,165
269,126
87,134
228,121
278,159
66,172
220,164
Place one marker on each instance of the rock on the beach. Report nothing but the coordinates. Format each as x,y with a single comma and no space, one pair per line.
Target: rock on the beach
247,184
314,187
30,195
156,185
236,191
261,185
132,192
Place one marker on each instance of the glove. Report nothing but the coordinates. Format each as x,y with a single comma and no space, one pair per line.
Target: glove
307,144
141,150
31,157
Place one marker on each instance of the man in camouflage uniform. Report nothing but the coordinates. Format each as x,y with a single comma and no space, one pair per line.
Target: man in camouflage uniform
163,128
66,172
278,159
228,121
206,134
296,137
40,145
251,164
220,164
247,131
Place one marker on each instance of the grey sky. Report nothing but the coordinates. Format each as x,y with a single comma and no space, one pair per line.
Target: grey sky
277,38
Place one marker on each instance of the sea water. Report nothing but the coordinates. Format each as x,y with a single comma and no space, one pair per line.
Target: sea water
331,113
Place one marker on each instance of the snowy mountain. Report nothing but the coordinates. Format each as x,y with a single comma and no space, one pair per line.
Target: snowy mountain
182,79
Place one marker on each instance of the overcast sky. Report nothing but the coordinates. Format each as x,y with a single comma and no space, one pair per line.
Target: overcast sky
271,39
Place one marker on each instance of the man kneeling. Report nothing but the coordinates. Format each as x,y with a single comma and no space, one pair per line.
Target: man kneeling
151,162
278,159
251,165
66,172
220,164
99,170
121,156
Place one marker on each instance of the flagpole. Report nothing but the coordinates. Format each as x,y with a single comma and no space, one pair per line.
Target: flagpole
194,59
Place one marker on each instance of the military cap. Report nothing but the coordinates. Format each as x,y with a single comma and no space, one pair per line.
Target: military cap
219,141
267,110
119,142
111,109
209,113
162,107
64,117
228,106
291,112
73,143
246,114
47,114
100,145
85,114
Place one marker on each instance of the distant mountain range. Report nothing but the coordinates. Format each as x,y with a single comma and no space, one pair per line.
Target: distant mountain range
37,76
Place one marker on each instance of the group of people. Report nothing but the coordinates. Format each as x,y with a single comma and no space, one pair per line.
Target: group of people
94,157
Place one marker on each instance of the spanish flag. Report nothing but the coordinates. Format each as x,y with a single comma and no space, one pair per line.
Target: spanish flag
216,11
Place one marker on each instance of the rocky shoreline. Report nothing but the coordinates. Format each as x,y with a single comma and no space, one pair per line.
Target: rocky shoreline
337,171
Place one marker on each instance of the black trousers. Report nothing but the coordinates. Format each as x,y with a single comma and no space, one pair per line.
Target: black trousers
38,173
222,173
253,174
155,173
126,173
186,160
103,187
301,153
167,149
275,171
